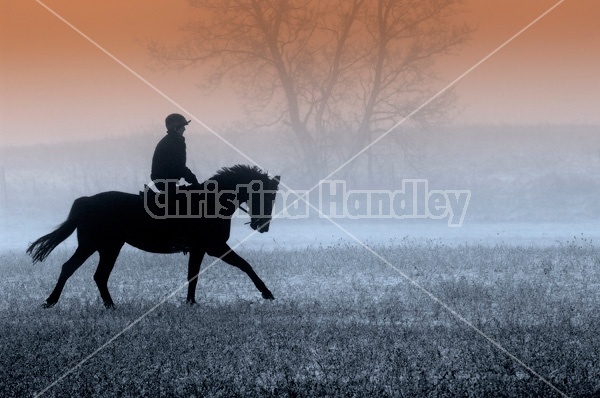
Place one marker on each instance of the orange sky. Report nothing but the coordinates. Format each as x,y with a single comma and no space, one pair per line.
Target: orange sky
55,85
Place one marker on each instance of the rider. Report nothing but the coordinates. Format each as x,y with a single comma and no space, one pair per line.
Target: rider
168,162
168,168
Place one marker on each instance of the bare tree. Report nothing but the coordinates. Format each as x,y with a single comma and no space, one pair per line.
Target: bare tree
331,73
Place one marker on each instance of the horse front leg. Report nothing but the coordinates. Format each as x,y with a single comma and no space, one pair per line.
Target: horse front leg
194,263
226,254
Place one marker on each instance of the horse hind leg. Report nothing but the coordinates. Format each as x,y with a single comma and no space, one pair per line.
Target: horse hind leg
68,268
108,257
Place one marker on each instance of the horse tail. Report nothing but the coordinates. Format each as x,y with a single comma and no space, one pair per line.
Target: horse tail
41,248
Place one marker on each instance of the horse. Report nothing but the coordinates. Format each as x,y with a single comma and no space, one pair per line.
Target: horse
107,220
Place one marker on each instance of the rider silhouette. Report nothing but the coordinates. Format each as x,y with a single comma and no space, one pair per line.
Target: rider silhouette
168,162
168,168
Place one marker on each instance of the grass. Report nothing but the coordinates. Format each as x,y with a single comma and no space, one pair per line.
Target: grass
342,324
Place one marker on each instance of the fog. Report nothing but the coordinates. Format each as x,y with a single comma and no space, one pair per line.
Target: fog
527,184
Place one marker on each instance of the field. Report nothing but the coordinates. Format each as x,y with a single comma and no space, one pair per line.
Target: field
343,324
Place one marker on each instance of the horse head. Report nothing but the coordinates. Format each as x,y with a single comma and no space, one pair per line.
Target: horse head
261,198
250,185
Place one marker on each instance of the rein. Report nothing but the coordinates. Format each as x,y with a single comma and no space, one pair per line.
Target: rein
245,211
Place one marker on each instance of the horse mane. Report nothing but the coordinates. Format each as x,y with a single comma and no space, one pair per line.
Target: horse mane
240,171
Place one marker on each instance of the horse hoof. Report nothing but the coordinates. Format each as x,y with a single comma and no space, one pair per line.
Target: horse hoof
109,306
190,302
47,305
268,296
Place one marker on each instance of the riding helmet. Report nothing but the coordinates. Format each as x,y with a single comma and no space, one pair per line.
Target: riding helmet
175,120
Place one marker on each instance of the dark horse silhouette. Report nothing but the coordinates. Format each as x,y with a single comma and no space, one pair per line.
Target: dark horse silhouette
108,220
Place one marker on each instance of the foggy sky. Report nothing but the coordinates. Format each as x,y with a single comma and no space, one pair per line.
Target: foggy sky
56,85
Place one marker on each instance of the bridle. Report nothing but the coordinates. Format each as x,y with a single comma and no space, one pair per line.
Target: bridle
247,212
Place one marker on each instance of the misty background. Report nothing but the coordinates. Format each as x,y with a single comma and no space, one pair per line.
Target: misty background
516,173
529,184
300,87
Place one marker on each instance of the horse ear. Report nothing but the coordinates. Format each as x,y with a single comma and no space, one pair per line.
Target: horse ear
277,178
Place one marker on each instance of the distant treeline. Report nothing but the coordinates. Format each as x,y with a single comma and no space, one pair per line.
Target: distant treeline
515,173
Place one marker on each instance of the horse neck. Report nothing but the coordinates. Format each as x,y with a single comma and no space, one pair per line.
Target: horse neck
233,185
